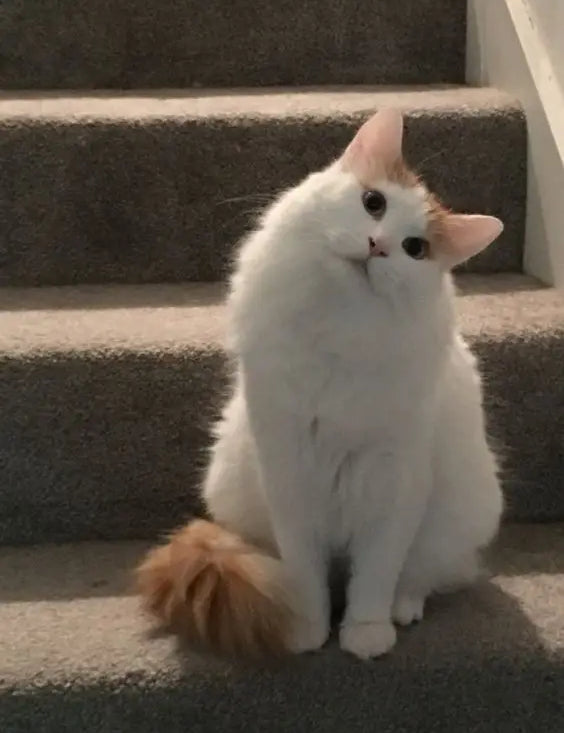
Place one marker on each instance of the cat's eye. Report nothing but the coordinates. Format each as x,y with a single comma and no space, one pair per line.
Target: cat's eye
416,247
375,203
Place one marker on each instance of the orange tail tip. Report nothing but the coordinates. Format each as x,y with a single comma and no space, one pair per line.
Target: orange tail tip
218,592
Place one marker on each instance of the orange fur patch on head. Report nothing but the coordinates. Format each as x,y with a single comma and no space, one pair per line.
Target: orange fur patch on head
436,219
396,171
436,213
399,172
217,592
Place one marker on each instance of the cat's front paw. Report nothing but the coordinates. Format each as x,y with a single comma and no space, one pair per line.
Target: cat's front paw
368,640
408,609
309,635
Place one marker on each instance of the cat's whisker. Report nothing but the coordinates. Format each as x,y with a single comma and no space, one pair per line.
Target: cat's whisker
250,213
266,198
419,166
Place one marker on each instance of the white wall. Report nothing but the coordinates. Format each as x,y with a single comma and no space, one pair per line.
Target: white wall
518,45
548,15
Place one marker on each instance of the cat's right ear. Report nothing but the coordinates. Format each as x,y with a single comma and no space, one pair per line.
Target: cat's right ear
377,145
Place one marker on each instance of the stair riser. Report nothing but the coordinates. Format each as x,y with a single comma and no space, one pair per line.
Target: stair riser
117,202
184,43
115,447
215,698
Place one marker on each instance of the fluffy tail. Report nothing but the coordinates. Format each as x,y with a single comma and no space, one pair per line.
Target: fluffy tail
218,592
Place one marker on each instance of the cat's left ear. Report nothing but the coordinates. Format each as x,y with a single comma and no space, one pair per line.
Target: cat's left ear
377,144
464,235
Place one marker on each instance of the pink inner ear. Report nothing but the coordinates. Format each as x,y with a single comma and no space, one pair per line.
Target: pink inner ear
467,234
375,146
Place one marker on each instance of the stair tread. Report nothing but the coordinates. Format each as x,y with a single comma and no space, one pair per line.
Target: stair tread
315,101
75,647
136,317
157,317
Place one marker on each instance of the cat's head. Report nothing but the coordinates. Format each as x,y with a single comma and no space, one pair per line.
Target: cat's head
375,211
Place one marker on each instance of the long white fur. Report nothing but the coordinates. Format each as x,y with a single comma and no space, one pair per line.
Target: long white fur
356,421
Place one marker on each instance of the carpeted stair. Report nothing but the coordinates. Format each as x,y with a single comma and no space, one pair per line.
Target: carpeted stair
78,656
137,142
107,393
140,44
160,186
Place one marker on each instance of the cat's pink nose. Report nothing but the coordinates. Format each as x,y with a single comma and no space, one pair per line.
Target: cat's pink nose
376,248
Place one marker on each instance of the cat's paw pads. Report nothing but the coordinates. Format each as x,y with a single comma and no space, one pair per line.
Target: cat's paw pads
308,636
408,609
368,639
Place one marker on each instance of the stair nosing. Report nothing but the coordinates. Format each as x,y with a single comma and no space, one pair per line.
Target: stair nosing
174,317
265,102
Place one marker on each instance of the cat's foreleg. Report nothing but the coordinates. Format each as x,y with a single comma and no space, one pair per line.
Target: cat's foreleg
387,522
296,511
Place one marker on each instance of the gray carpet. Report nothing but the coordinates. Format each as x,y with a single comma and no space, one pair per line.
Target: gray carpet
160,188
76,655
107,394
184,43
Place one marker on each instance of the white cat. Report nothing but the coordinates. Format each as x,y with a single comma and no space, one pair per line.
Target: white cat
356,422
